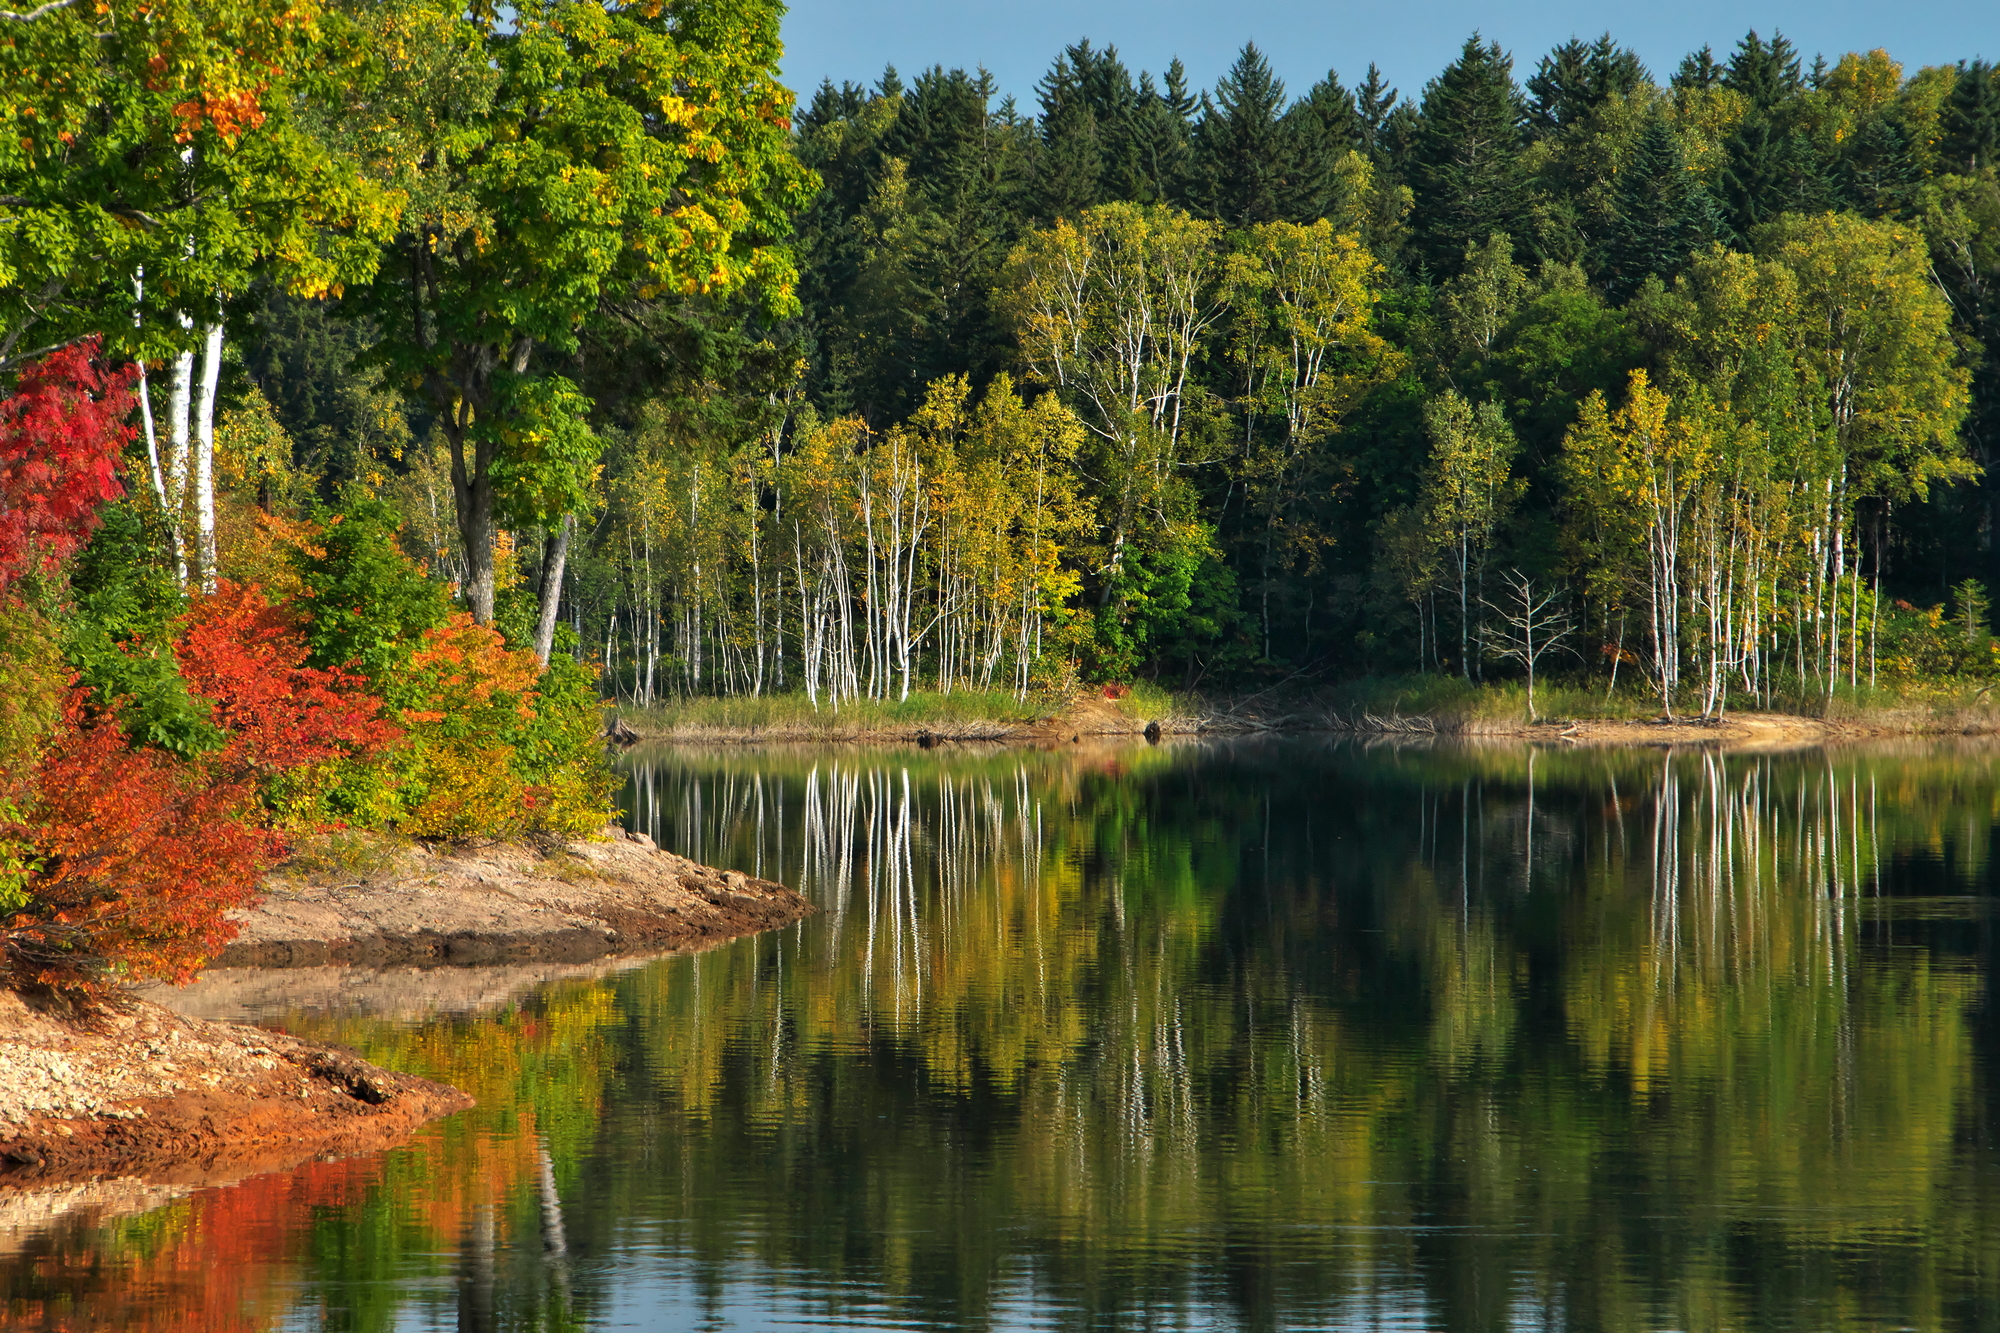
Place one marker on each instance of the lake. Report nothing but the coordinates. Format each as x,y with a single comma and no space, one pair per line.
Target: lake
1294,1034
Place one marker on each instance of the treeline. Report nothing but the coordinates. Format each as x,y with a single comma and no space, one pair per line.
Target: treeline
1702,356
1675,382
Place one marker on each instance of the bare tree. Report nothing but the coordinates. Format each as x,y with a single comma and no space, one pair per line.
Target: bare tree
1533,622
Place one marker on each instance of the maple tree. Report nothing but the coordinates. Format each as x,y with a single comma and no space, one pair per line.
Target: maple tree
60,437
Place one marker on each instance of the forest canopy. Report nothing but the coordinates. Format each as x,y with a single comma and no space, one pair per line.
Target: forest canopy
643,362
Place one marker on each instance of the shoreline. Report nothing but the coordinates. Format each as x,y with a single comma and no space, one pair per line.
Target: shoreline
505,903
137,1090
1094,718
133,1088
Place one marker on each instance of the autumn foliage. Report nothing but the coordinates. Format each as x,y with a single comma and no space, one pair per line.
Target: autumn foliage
135,857
248,656
60,437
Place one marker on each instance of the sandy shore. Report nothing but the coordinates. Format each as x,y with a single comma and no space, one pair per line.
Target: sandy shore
504,903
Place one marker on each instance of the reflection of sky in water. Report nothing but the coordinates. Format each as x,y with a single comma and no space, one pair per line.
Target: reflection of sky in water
1294,1035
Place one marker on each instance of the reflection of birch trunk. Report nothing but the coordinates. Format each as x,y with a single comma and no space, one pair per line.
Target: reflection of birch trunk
477,1307
555,1241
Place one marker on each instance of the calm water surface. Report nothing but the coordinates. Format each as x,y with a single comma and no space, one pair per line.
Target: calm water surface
1277,1035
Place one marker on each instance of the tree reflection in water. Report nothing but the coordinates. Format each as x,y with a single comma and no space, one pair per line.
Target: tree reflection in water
1268,1035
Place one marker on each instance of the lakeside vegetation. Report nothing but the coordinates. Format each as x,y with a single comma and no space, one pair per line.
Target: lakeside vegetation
390,382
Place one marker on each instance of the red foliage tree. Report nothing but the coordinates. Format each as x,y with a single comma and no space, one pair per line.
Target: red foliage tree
248,657
60,438
135,858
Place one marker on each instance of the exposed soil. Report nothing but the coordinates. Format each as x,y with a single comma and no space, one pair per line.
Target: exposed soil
503,903
137,1090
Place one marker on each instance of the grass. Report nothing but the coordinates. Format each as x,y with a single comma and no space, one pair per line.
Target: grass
794,715
1949,704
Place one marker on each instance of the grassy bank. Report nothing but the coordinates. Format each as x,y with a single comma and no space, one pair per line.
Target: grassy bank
1440,704
1452,704
959,715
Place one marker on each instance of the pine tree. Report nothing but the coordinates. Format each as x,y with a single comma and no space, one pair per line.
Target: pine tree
1465,163
1243,160
1767,75
1661,214
1698,71
1575,77
1971,119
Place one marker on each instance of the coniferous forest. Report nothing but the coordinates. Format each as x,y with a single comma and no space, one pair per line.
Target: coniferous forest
392,382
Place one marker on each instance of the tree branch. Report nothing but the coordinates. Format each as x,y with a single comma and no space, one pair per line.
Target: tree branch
36,12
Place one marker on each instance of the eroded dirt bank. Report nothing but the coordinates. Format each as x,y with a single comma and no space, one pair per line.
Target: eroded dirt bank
141,1091
504,903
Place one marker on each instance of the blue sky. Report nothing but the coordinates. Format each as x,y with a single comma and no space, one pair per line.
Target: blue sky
1411,39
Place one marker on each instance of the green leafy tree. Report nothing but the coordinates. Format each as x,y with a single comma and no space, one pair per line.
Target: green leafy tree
609,148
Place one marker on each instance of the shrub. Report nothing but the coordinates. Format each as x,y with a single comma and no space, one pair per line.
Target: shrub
289,726
127,859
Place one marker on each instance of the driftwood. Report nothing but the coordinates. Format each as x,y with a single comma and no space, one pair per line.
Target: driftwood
619,732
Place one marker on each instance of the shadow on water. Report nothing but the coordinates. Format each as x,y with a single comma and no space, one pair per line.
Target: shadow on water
1257,1035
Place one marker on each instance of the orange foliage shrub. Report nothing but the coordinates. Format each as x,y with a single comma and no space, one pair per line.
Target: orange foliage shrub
133,856
248,657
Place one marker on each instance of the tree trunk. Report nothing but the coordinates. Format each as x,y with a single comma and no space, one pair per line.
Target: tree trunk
552,580
177,460
204,459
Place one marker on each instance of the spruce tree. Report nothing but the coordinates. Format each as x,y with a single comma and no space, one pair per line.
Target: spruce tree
1243,162
1771,170
1766,74
1879,167
1465,166
1698,71
1159,140
1322,128
1069,161
1660,213
1970,122
1577,76
1374,101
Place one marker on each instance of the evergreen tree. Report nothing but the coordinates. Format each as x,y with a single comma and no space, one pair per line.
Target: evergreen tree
1970,123
1374,102
1159,140
1576,76
1771,170
1766,74
1660,213
1322,128
1069,166
1465,165
1698,71
1244,166
1879,167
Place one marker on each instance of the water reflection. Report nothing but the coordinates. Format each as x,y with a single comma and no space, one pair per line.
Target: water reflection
1263,1036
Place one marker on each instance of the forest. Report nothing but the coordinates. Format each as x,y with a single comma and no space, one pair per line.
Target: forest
392,383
